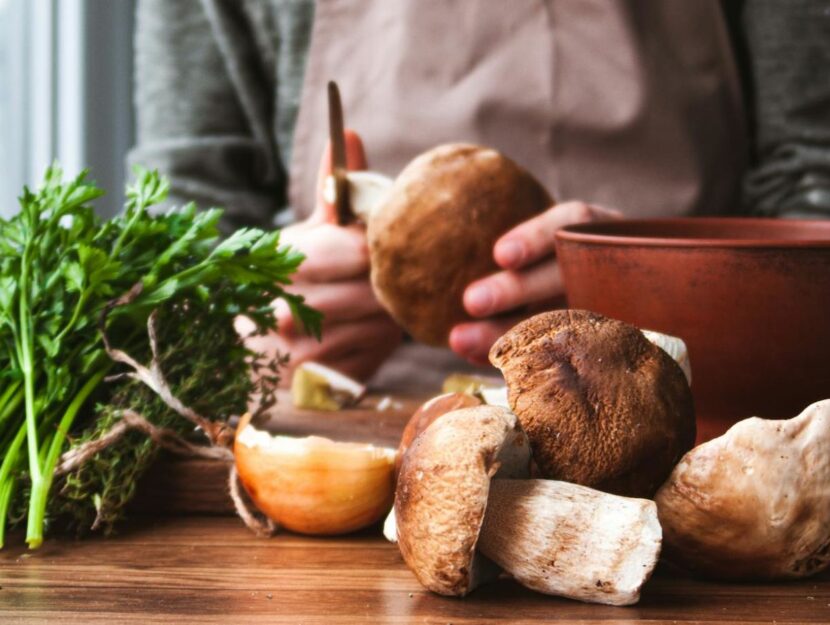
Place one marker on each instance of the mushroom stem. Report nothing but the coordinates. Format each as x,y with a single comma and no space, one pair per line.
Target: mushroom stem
563,539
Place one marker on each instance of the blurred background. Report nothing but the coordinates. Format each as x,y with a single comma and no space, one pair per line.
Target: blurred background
65,92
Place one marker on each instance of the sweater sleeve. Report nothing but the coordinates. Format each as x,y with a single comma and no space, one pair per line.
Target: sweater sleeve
789,53
199,115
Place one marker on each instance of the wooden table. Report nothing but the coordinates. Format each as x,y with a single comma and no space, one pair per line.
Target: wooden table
210,569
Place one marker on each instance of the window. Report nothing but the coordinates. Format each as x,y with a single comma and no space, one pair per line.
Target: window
11,111
65,92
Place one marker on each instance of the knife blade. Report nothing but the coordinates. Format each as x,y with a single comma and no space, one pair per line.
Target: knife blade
338,156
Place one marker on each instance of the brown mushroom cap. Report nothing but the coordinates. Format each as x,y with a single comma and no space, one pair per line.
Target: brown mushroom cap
442,494
428,412
755,502
601,405
434,233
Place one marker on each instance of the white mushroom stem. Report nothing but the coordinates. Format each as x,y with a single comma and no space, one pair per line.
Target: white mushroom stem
568,540
367,191
674,347
390,527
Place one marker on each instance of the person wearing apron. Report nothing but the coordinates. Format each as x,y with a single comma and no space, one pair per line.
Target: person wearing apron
615,105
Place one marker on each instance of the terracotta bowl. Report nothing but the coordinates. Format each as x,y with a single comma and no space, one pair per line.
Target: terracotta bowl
751,298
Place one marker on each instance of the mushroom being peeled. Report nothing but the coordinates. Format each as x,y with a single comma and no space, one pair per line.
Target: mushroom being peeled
602,405
433,232
755,502
462,513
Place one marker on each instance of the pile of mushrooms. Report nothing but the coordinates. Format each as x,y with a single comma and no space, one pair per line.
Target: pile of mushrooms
465,509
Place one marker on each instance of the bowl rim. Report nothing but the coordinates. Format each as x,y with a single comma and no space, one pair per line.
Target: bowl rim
583,233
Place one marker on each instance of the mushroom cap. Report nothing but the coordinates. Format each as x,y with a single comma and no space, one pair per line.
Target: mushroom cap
602,405
442,494
434,233
755,502
428,412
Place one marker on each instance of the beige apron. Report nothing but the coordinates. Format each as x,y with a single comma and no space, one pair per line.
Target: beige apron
633,104
626,103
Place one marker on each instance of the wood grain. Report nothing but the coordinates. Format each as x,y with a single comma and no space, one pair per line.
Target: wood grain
212,570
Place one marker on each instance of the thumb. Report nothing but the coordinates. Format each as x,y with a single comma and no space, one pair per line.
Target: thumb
355,160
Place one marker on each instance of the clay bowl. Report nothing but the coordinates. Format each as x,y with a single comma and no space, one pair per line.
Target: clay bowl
751,298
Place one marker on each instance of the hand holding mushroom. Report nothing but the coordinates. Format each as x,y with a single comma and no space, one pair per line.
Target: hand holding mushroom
552,536
464,234
528,278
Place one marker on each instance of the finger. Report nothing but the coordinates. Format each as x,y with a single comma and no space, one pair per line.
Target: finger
355,160
356,348
339,339
473,340
533,239
369,334
333,253
338,301
508,290
344,301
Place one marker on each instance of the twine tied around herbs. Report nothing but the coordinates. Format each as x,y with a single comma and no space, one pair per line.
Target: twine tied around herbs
219,435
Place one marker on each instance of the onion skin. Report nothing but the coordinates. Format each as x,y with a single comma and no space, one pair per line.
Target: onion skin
314,485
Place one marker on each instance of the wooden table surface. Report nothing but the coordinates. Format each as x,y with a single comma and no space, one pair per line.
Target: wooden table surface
191,568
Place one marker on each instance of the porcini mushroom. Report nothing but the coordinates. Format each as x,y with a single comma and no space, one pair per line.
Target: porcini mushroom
428,412
602,405
461,514
423,416
755,502
433,232
313,485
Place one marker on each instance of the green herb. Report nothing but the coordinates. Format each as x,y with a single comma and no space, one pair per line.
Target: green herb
61,267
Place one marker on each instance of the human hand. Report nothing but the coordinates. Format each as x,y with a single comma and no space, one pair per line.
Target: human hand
530,279
358,335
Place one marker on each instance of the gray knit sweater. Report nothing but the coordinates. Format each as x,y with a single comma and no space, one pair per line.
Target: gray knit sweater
218,85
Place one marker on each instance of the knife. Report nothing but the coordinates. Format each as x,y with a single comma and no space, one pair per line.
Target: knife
338,157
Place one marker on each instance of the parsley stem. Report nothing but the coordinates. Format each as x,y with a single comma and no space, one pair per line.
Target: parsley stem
6,490
75,315
27,365
40,491
9,401
10,460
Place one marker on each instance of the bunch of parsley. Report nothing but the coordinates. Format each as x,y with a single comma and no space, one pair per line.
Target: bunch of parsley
60,268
